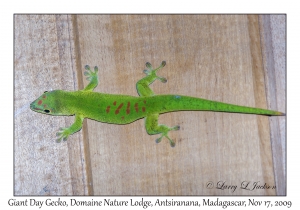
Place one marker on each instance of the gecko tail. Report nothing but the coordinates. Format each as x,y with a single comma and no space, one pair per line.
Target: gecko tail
278,114
181,103
250,110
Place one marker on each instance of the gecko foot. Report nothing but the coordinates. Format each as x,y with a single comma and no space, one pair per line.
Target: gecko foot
89,73
151,71
172,143
62,134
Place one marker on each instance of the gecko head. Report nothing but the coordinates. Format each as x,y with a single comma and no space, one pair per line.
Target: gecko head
50,103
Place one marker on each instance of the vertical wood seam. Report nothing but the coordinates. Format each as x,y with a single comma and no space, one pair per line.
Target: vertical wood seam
78,68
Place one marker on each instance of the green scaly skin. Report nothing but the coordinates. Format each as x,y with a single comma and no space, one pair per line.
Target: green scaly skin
123,109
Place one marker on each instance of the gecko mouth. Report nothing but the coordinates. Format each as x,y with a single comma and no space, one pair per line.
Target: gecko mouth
33,107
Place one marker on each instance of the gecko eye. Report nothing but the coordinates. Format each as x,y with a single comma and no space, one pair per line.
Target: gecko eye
46,110
46,92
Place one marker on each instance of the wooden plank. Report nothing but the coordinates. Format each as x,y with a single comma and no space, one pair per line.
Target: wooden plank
273,36
44,61
214,57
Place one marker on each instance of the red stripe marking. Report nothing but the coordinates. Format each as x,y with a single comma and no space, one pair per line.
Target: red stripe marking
144,102
40,102
128,108
115,103
143,109
118,109
107,109
136,106
44,96
122,117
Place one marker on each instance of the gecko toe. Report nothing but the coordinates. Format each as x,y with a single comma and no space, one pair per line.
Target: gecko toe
176,128
172,144
159,139
162,79
148,65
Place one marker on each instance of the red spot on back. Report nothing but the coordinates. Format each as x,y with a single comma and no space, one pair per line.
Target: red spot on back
128,108
136,106
115,103
122,117
107,109
44,96
144,102
118,109
143,109
40,102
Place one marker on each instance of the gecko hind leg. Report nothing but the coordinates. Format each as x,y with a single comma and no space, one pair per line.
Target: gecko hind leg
152,127
142,85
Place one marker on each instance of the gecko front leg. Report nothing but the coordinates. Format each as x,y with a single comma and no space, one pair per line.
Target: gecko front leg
92,77
64,133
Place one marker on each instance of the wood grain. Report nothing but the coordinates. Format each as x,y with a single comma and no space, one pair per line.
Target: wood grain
217,57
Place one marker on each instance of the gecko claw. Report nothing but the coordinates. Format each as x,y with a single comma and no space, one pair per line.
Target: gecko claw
58,140
149,66
176,128
172,144
158,140
162,79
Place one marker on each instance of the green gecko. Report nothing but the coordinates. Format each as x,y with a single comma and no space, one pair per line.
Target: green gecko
123,109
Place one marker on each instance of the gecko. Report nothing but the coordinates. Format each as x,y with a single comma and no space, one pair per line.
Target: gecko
124,109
